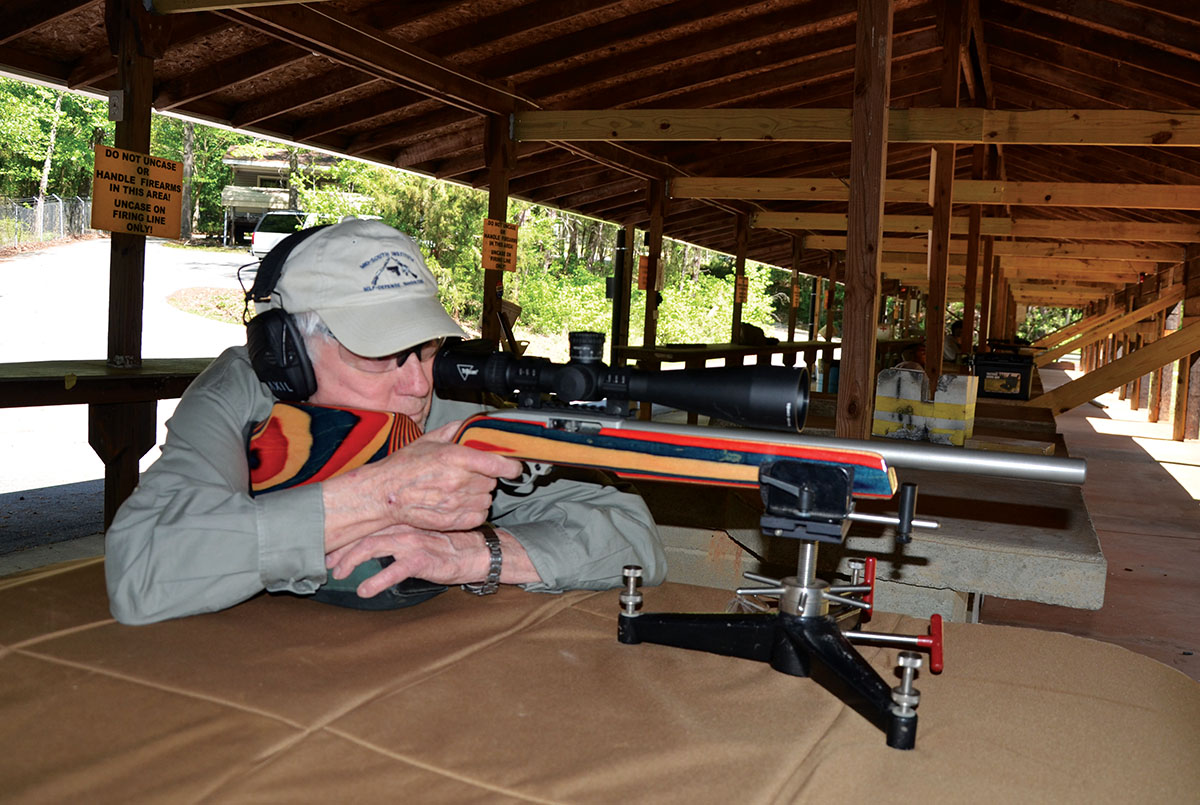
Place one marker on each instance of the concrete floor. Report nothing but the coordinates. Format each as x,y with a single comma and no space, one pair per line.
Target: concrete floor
1143,495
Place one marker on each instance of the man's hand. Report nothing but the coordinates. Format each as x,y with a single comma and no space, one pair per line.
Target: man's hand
442,486
430,484
456,557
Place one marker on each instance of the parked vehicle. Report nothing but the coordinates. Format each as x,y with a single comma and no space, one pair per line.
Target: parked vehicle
273,227
276,225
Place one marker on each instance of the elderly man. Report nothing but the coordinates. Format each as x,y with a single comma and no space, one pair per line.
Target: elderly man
357,304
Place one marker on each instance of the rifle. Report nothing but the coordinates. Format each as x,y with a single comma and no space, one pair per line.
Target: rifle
577,414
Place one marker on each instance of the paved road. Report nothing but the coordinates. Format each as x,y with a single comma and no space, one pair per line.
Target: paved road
54,305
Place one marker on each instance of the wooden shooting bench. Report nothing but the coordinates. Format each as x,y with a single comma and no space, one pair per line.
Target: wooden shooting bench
519,697
121,406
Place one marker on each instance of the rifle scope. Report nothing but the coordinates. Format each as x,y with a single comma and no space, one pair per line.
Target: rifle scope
771,397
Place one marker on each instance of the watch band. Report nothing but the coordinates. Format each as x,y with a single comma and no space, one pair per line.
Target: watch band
492,582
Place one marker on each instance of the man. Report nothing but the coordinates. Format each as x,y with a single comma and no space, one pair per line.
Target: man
192,539
951,348
912,357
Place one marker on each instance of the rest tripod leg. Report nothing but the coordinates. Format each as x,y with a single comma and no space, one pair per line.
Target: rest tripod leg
820,639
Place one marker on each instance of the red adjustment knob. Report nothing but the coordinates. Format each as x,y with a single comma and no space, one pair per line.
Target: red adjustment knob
933,642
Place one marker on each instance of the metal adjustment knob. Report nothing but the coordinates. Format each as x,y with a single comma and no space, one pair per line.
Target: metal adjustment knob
858,569
631,599
905,695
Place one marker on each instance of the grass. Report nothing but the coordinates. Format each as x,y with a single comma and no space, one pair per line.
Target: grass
219,304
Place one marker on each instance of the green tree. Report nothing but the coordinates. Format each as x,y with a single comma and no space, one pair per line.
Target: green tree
27,117
1041,321
210,174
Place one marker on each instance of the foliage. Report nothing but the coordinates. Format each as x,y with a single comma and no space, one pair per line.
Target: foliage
210,173
26,117
562,260
1041,321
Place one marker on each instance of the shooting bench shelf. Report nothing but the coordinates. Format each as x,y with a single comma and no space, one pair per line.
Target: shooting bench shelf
93,381
121,406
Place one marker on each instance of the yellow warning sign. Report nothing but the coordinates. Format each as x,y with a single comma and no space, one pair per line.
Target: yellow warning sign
136,193
499,245
740,286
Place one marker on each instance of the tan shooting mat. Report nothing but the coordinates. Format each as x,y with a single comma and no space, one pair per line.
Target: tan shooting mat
530,698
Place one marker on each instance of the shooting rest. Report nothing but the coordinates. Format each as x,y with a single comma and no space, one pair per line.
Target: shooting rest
812,503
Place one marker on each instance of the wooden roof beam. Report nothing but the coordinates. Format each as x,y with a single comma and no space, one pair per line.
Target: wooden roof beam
967,191
1056,228
937,125
1168,298
1057,250
1126,368
338,36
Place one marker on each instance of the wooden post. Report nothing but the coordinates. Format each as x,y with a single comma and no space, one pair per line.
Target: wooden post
988,283
739,259
1154,397
814,309
970,287
620,295
818,306
498,156
830,314
1186,414
1123,336
942,192
794,297
121,434
864,228
656,197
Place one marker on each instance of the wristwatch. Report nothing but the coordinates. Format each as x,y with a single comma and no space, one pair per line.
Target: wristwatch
492,582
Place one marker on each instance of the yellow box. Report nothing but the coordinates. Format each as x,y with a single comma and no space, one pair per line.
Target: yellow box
904,408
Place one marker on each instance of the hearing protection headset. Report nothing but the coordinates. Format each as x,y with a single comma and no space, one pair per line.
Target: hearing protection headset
273,340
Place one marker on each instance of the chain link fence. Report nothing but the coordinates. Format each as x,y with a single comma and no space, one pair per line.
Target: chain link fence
21,220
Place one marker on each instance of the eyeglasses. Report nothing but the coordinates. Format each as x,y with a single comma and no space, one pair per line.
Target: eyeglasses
424,352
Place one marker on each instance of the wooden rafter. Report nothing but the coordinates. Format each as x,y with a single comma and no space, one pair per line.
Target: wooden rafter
1063,229
939,125
966,191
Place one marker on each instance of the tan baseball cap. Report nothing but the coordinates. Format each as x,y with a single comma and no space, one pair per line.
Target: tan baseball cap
370,285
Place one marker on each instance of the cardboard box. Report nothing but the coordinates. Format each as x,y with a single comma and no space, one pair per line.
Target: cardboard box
904,408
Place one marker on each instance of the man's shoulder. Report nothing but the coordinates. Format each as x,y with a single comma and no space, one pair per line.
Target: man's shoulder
231,379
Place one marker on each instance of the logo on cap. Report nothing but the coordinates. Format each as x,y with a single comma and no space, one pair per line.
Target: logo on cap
395,271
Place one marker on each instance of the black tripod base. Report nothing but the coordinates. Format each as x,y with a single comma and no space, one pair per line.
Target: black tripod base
791,644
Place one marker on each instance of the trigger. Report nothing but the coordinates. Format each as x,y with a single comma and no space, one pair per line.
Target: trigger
527,480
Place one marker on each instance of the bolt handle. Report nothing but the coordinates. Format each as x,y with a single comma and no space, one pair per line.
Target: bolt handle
908,510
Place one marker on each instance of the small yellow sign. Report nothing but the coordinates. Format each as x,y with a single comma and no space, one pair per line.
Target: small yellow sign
136,193
643,272
499,245
740,287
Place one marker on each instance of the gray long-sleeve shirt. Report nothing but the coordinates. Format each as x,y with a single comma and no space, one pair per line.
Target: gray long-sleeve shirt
191,539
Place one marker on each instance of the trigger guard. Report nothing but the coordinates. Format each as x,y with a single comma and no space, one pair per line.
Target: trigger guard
524,484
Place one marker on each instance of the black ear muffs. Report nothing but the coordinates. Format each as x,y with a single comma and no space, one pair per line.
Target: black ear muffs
275,344
279,357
